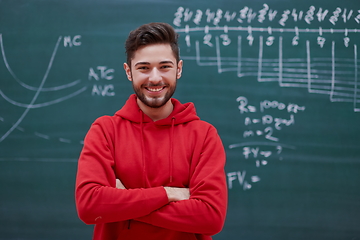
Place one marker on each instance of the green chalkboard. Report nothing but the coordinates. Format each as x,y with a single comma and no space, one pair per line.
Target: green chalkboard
278,79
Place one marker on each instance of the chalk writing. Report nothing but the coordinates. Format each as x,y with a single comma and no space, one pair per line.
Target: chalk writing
288,46
102,73
261,145
72,41
240,177
329,74
265,14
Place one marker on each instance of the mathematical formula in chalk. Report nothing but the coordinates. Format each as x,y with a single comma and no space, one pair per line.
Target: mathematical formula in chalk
259,144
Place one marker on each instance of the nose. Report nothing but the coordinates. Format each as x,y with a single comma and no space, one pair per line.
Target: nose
155,76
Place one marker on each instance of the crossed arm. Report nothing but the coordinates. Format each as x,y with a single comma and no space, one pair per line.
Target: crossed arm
174,194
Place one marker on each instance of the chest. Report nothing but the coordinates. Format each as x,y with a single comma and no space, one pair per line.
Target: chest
150,156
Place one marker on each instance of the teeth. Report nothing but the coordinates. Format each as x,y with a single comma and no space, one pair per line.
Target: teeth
155,89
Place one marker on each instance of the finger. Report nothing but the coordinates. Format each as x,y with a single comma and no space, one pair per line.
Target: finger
119,184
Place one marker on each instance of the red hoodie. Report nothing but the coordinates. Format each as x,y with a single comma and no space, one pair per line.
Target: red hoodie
178,151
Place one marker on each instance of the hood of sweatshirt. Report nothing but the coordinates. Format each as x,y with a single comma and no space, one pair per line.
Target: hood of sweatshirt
182,113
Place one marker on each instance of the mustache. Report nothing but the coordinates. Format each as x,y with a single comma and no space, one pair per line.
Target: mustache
161,84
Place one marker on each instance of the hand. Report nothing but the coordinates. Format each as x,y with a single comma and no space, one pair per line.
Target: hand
119,184
177,194
173,193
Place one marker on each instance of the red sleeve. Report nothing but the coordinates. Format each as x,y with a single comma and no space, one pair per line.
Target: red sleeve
97,198
205,211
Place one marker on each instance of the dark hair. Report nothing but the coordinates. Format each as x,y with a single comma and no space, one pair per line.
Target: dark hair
152,33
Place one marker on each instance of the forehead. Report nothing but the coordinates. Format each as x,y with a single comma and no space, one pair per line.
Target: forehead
154,53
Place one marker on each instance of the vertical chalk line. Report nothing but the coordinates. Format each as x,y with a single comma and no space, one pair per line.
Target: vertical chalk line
332,71
218,55
260,57
356,109
280,62
239,57
308,60
197,47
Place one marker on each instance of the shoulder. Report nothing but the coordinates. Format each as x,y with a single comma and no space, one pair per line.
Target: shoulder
202,127
104,120
202,124
103,127
107,122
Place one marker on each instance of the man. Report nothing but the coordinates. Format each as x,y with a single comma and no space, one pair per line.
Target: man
154,170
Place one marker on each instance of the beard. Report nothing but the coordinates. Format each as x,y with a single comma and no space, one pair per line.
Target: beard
154,102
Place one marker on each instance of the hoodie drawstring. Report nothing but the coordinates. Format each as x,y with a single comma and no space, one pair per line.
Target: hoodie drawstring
171,150
142,148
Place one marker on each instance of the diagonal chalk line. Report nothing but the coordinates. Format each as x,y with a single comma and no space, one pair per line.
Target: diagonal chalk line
37,92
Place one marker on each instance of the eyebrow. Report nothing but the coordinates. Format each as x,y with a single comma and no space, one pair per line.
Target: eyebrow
167,62
162,62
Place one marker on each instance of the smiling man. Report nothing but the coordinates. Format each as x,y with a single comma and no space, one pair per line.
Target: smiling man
154,170
154,71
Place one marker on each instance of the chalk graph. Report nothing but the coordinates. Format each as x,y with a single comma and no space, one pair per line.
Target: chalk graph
37,91
332,75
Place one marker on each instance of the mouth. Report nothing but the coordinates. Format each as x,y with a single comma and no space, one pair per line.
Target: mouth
155,89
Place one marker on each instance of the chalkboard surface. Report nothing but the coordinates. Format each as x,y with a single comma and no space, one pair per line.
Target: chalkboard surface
278,79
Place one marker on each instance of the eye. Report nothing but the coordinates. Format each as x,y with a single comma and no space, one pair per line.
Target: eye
166,66
142,68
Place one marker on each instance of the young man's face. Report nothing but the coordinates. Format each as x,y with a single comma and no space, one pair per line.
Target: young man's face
154,73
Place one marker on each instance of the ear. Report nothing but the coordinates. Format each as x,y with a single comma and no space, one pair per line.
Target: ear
128,71
179,69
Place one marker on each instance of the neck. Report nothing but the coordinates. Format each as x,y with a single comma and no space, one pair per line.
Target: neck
156,113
